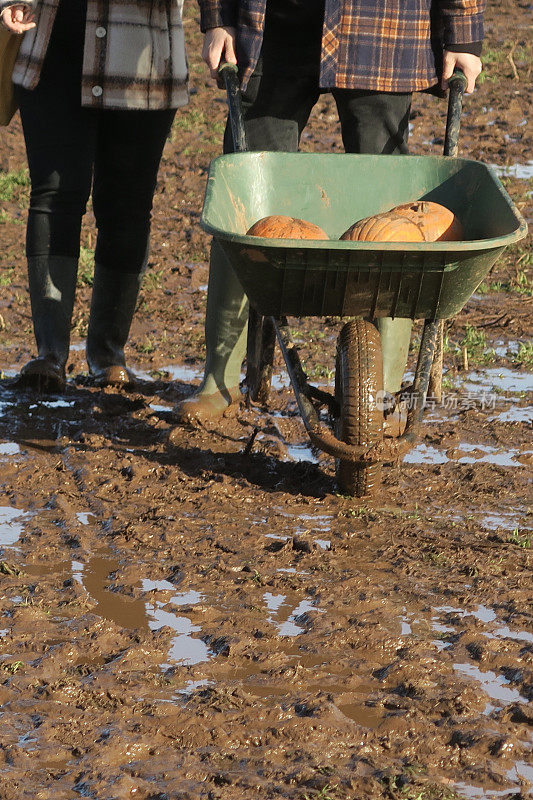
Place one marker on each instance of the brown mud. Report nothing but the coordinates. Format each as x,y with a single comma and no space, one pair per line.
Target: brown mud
202,619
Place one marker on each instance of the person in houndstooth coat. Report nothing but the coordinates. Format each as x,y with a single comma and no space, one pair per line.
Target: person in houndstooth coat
98,85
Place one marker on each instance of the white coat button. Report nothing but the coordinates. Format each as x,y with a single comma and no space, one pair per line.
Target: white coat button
97,91
100,32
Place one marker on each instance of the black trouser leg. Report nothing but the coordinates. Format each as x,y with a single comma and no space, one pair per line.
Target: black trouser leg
373,122
276,109
60,140
128,152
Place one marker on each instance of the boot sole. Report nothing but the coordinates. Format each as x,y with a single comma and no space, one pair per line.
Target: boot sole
43,384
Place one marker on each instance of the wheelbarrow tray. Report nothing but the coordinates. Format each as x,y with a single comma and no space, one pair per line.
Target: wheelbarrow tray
429,280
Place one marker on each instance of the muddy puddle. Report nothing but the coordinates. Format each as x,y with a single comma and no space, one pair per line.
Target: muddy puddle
523,172
241,601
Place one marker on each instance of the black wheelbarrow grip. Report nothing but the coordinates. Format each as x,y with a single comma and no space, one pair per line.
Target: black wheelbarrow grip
230,77
457,86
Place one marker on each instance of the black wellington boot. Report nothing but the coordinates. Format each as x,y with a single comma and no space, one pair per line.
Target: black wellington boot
52,282
112,307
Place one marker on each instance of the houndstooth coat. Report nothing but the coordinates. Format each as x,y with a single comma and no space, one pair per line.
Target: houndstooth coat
134,54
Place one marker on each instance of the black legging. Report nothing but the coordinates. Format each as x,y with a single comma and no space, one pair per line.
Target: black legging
69,147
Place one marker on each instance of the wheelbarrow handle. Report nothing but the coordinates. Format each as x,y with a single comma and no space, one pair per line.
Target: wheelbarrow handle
457,86
230,78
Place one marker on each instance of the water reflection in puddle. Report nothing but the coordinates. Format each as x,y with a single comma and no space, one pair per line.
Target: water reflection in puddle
514,414
506,633
26,741
289,626
184,649
465,453
520,771
52,404
192,686
470,792
10,525
504,348
9,449
425,454
492,684
322,522
139,613
485,615
490,455
301,452
499,378
84,518
325,544
494,521
184,373
157,586
189,598
280,381
521,171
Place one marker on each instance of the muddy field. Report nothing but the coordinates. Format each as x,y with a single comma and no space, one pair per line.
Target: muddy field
193,616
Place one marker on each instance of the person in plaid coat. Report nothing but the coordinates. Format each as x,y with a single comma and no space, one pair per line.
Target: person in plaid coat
371,55
98,85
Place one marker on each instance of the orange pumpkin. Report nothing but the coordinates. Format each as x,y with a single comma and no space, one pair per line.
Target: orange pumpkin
278,226
420,221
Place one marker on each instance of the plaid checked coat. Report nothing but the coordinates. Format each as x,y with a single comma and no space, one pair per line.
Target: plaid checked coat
134,55
379,45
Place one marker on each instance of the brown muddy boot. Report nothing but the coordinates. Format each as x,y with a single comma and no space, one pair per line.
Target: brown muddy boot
225,340
52,283
112,306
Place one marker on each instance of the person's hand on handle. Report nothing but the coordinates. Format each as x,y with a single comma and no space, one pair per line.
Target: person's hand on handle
468,63
18,18
219,45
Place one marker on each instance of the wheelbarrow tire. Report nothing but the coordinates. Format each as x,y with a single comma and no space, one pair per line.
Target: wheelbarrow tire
358,379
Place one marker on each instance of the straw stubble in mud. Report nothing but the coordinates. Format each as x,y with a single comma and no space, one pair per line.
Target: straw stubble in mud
198,620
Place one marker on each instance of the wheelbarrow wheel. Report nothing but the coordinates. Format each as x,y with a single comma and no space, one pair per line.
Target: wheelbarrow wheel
358,379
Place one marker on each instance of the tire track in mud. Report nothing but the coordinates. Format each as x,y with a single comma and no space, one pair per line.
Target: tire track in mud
90,501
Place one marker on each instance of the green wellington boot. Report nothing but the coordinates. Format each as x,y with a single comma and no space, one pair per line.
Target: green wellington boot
52,283
112,307
225,340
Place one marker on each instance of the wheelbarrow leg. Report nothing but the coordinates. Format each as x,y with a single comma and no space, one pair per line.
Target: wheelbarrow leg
435,376
260,356
421,381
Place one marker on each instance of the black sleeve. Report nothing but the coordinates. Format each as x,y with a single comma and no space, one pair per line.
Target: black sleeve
469,47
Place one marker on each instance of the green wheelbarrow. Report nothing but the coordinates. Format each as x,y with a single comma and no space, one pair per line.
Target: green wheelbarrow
359,280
